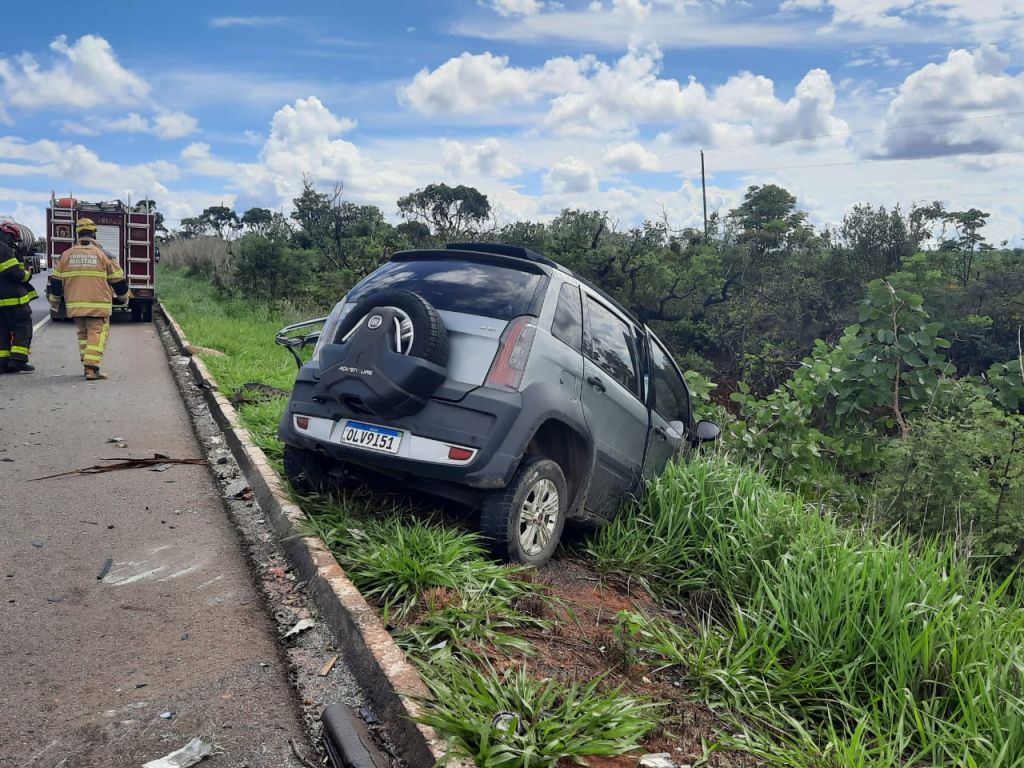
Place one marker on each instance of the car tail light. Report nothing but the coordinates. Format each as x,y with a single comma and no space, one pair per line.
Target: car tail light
513,354
459,454
302,422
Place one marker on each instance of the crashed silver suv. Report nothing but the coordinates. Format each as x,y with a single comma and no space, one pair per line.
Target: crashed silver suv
493,376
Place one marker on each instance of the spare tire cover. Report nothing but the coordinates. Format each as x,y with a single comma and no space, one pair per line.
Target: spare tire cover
429,336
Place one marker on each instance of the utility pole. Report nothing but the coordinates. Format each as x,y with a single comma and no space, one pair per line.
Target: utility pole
704,194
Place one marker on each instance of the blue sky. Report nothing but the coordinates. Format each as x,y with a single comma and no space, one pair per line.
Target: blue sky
542,105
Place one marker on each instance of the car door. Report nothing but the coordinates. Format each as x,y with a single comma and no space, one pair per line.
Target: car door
669,399
613,404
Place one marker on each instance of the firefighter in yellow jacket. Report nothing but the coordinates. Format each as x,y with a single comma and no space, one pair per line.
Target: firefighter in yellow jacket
89,280
15,293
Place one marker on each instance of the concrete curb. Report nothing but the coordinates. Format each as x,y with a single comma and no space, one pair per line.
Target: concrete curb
389,681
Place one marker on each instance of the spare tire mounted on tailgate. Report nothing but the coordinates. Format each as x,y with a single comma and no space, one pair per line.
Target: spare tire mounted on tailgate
388,357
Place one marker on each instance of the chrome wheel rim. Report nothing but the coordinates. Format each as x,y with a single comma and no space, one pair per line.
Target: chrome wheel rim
538,516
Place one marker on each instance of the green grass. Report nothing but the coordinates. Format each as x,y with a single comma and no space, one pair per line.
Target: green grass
543,721
859,644
244,332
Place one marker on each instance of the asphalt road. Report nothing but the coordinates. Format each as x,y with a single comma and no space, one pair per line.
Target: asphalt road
175,626
40,307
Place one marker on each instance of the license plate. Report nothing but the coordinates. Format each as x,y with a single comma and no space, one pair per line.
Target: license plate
371,436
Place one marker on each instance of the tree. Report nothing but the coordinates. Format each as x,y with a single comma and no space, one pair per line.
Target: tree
150,205
967,242
452,212
258,220
221,220
769,220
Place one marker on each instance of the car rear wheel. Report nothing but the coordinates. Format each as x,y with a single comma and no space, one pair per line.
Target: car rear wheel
304,470
524,521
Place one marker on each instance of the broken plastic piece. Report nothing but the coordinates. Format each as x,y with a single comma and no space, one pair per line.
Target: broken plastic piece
325,670
507,722
301,626
657,760
105,569
188,755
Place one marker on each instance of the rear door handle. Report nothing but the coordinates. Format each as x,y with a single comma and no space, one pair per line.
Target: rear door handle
596,383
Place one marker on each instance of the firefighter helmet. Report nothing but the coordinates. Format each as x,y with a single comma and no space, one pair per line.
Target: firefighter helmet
85,225
10,228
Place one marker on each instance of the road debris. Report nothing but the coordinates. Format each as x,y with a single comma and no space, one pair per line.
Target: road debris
508,722
256,392
122,463
188,755
300,626
298,755
160,467
105,569
118,441
37,543
656,760
166,715
325,670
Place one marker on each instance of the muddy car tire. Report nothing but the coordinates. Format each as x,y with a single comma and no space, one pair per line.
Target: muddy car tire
304,470
523,522
430,338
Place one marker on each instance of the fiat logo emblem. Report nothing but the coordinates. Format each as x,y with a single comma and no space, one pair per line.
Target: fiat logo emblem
374,322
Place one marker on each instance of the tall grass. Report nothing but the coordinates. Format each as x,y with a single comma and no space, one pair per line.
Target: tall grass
903,650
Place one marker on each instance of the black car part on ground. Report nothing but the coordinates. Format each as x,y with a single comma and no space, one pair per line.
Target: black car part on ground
390,356
347,741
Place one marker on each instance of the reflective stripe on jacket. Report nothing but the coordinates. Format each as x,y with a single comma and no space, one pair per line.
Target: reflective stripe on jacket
14,279
88,279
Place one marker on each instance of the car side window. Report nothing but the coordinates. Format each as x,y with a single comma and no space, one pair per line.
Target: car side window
671,397
568,323
610,342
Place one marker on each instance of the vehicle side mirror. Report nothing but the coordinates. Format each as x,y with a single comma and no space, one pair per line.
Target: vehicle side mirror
156,255
707,431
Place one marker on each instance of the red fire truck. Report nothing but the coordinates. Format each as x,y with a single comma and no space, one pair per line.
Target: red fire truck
126,233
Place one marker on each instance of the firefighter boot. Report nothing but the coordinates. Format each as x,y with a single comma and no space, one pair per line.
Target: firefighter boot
17,366
93,374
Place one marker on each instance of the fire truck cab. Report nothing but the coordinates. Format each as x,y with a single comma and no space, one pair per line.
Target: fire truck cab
127,234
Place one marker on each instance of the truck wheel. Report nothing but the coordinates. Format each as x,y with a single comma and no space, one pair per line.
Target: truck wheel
304,470
524,521
147,313
136,312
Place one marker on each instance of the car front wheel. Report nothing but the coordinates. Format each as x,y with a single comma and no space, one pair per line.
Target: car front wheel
524,521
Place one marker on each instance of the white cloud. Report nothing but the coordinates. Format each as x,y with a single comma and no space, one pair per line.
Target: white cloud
131,123
570,176
874,56
79,166
174,125
480,82
630,158
587,97
516,7
933,110
484,159
979,20
85,75
163,125
251,22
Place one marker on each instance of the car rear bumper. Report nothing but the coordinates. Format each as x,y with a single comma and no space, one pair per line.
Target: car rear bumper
484,421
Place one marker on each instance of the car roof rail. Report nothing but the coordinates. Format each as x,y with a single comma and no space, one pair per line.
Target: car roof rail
501,249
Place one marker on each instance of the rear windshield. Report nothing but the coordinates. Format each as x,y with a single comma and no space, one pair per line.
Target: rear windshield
457,286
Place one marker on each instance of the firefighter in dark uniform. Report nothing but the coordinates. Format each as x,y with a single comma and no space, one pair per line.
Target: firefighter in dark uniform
15,314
